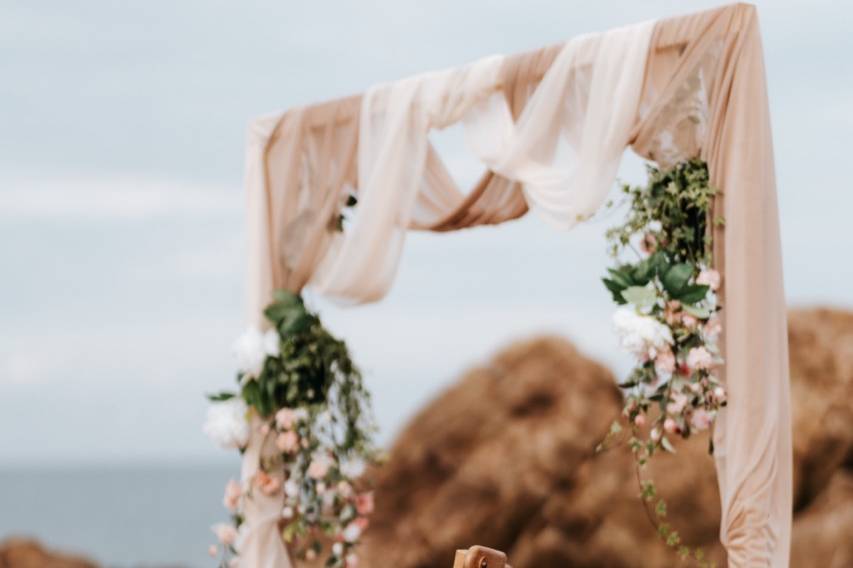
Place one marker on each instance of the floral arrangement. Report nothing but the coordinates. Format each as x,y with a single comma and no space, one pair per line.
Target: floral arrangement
667,320
301,393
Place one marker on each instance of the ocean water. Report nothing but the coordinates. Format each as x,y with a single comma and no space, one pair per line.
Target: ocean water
120,516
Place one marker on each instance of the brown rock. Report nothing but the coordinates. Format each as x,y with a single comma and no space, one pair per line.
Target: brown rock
505,459
23,553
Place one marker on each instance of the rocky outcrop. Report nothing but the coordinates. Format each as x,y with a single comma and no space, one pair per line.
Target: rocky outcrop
505,459
24,553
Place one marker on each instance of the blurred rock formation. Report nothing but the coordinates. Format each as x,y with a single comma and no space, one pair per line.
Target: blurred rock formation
24,553
505,459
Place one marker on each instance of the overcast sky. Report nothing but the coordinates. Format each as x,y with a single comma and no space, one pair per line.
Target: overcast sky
122,235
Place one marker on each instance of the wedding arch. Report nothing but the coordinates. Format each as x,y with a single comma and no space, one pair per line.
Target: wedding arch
549,127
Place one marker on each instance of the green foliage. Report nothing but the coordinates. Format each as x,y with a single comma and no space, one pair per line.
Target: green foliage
680,200
667,233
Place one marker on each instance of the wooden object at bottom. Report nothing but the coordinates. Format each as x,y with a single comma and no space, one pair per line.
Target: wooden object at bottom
480,557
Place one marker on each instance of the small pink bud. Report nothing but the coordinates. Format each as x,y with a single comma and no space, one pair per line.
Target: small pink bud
640,420
670,426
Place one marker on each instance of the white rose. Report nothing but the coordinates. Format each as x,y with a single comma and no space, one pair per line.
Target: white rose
252,349
641,335
353,468
352,533
226,423
291,488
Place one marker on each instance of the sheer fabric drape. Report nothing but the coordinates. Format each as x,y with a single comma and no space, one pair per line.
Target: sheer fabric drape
672,90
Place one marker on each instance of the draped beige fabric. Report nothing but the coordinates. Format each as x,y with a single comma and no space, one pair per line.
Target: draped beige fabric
702,93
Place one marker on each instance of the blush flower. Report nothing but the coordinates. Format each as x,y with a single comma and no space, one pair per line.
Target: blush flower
665,363
287,442
285,418
699,358
319,466
709,277
712,328
268,484
677,403
345,489
233,491
226,533
701,419
649,244
672,312
364,503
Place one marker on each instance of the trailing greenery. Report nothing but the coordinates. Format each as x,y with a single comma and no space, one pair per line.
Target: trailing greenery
310,404
667,287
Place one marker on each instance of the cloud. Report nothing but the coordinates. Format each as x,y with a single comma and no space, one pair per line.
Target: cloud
112,197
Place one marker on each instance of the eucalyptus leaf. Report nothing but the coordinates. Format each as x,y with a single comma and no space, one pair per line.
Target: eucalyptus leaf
676,278
692,294
615,289
696,311
220,396
640,296
622,275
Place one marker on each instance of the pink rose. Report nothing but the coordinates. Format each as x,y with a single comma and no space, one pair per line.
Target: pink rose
709,277
649,244
665,362
713,328
319,467
640,420
345,489
226,534
699,358
677,403
268,484
672,312
212,550
670,426
285,418
287,442
233,491
701,419
364,503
